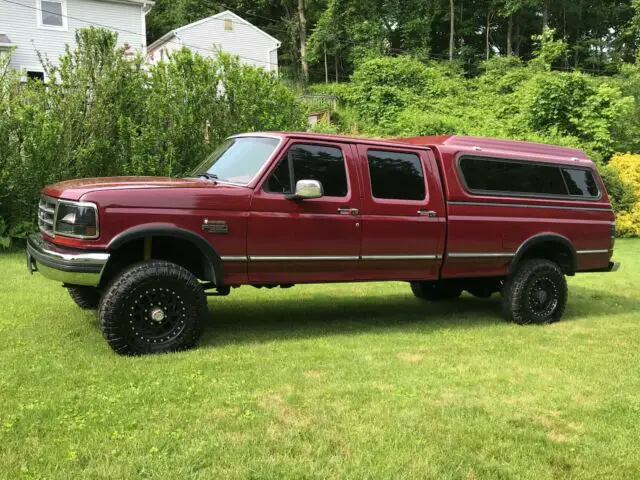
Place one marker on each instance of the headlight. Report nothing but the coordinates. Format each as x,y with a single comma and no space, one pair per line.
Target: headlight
77,219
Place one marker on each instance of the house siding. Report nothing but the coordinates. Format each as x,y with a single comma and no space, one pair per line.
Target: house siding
21,25
252,46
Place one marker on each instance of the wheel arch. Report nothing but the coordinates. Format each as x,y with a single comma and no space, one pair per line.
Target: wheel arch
551,246
209,260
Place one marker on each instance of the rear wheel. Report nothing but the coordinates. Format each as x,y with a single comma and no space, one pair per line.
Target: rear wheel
436,291
86,298
153,307
535,294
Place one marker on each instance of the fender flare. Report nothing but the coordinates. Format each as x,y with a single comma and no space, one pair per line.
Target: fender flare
545,238
214,267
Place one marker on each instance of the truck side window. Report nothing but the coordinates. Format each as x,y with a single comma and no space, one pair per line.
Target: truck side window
310,162
580,182
507,176
396,175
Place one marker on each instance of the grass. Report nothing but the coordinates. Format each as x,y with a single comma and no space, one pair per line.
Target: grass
327,381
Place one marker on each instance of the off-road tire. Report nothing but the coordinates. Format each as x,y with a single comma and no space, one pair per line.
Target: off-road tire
86,298
436,291
125,316
535,294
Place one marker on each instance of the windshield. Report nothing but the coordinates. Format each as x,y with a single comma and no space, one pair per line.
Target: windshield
238,159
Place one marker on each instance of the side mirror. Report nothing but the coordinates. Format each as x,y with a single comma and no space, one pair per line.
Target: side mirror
307,190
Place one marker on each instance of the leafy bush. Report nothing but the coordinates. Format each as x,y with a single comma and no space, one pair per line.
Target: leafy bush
628,168
108,115
383,87
510,99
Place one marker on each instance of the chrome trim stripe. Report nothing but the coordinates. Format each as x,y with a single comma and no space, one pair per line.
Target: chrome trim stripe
494,204
582,252
301,258
400,257
265,258
239,258
480,255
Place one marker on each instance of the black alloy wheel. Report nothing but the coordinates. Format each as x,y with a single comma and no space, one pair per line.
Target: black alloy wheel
153,307
536,293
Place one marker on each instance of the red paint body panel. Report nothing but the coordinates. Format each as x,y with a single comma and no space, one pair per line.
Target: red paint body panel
262,224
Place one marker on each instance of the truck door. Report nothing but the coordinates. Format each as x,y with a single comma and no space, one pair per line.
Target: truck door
315,240
403,214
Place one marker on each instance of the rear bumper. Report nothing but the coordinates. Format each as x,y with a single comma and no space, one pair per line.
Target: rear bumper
73,267
612,267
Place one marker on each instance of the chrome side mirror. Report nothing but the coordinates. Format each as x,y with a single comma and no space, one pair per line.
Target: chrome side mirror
307,190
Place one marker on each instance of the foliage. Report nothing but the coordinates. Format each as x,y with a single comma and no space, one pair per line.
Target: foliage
628,168
403,96
108,115
383,87
547,49
598,36
621,194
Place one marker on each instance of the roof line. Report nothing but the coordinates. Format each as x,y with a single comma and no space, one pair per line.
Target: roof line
162,40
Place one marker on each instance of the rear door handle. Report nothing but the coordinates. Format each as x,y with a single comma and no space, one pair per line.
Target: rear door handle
427,213
348,211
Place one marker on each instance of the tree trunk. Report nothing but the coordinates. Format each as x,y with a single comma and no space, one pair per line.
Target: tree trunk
487,46
326,67
545,14
452,13
303,41
337,68
509,35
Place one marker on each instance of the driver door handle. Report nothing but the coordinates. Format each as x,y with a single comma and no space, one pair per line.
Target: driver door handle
348,211
427,213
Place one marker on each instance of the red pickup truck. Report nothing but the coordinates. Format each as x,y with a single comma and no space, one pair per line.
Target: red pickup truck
445,214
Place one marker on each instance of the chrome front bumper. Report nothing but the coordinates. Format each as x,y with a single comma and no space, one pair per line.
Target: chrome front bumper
72,267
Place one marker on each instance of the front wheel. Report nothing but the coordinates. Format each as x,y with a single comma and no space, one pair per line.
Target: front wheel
535,294
86,298
153,307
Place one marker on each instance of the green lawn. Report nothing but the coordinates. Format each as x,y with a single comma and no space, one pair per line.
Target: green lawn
327,381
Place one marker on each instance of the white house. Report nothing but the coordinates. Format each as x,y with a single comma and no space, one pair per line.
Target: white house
225,31
46,26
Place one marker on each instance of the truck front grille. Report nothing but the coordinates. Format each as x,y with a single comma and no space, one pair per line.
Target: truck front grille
47,214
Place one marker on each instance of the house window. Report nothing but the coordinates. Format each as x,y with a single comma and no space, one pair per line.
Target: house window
34,75
228,25
52,14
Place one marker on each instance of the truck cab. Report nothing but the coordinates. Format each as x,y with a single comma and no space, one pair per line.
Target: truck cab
445,214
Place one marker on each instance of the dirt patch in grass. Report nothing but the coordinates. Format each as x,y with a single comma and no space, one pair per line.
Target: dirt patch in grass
558,430
277,405
410,357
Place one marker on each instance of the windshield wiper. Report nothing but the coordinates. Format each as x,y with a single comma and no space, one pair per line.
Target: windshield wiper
208,176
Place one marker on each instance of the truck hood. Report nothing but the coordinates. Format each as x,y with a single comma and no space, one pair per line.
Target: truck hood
75,189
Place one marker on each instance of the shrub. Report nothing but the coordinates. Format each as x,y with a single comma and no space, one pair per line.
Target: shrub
628,168
107,115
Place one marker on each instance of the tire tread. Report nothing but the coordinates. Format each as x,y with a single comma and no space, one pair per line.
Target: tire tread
513,291
110,323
